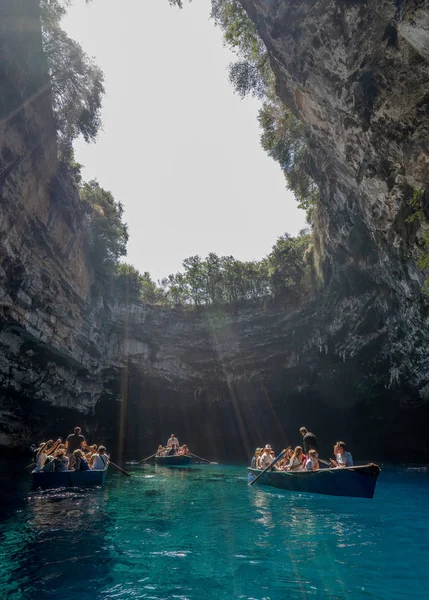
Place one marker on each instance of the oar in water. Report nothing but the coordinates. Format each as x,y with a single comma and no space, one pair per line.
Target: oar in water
279,457
119,469
205,459
145,459
18,472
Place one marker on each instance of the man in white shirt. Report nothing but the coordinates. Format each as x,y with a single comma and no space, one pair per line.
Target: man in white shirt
267,457
172,443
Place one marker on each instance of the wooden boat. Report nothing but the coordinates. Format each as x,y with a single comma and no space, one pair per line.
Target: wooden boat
173,461
53,479
357,482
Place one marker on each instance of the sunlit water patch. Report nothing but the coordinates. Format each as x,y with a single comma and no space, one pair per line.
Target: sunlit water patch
203,533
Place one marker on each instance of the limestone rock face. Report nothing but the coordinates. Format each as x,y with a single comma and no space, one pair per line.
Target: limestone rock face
50,337
351,362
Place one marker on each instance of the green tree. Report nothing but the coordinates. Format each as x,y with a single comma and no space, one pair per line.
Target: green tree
283,138
283,135
77,82
195,279
127,283
286,264
109,235
251,74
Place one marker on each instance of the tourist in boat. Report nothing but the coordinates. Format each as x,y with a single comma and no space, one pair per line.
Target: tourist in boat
89,451
172,441
184,450
42,455
61,462
254,463
266,457
80,462
309,441
295,463
343,458
37,451
74,441
49,464
312,462
284,462
99,460
172,445
160,451
55,446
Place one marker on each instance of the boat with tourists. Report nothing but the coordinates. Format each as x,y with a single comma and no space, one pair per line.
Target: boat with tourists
70,464
59,479
357,482
173,455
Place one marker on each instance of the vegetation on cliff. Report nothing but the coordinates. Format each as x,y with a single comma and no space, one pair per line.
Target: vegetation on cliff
283,135
77,91
420,217
219,280
77,82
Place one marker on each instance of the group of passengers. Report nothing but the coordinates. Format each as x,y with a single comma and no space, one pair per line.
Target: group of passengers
73,455
302,458
173,448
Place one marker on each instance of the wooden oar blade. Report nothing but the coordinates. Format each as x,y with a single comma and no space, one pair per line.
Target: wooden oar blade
280,456
119,469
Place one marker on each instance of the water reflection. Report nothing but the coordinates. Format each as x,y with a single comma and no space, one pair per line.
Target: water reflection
203,533
61,543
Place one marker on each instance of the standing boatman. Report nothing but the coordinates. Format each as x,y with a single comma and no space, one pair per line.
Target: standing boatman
74,442
308,441
172,443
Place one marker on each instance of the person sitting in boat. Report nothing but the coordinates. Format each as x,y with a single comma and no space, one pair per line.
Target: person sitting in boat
61,462
42,454
172,444
284,462
266,457
80,462
160,451
342,457
312,462
184,450
309,441
49,464
99,460
255,459
295,463
89,451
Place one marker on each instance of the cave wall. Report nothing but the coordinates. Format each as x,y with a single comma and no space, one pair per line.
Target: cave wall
51,336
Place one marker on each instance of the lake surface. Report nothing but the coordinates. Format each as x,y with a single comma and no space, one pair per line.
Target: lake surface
203,534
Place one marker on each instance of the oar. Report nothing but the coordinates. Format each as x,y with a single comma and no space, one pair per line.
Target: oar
205,459
151,456
279,457
18,472
324,462
119,469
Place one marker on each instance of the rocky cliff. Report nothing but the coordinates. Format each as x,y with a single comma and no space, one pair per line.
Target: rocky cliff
51,337
351,362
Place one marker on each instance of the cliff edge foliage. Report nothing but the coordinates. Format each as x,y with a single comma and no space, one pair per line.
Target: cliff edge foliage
77,91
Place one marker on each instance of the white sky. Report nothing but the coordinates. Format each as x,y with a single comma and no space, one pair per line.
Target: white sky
179,149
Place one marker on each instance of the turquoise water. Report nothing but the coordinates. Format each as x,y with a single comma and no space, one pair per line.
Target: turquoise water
203,533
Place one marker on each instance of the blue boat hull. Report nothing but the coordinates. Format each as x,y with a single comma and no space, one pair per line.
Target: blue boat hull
67,479
357,482
172,461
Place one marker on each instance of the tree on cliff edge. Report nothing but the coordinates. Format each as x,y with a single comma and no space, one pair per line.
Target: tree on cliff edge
77,82
109,235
